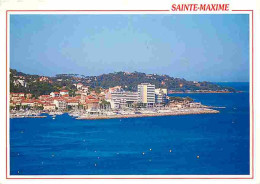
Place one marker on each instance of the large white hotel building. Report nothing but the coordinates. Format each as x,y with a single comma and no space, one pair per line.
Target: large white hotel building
146,94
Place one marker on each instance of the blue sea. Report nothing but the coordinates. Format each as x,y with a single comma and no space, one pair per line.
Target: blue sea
206,144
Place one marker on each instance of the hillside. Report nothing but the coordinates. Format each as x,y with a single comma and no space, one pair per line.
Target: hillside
130,81
39,85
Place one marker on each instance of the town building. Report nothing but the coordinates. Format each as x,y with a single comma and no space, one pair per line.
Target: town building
123,99
55,94
44,79
44,97
16,98
20,82
79,86
163,90
60,104
115,89
28,95
161,96
17,95
80,92
72,103
64,92
85,89
29,103
146,94
91,103
49,107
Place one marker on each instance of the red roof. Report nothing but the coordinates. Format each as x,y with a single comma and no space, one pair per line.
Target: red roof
28,101
65,95
45,96
90,97
64,91
92,101
72,101
59,99
17,93
48,104
40,102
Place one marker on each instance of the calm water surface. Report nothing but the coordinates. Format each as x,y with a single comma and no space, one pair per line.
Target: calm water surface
150,145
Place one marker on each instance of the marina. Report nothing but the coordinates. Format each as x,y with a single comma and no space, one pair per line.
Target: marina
152,114
97,114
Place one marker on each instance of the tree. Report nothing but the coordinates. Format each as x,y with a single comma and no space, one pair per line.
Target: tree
189,99
180,99
39,107
69,107
104,104
128,81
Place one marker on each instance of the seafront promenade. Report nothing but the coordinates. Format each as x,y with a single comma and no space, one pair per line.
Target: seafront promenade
173,113
79,115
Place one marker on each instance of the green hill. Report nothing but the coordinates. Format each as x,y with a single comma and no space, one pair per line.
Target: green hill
128,81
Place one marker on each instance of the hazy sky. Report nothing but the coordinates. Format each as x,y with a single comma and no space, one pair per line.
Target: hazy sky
194,47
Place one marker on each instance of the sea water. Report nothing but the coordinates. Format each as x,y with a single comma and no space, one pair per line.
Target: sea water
203,144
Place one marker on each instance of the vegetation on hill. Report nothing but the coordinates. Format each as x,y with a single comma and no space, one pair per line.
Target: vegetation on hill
128,81
180,99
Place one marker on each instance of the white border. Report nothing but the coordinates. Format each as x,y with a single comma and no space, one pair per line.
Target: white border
131,176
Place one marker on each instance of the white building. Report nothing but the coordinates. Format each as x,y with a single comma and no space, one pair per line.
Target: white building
85,89
161,96
64,92
146,94
79,85
49,107
55,94
73,103
123,99
115,89
161,90
60,104
20,82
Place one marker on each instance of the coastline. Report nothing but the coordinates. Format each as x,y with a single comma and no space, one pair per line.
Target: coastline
207,110
210,92
28,117
198,111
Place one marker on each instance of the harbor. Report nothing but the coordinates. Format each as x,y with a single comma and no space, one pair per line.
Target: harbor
102,114
151,114
115,103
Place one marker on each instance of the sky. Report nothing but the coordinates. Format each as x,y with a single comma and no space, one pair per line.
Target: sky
194,47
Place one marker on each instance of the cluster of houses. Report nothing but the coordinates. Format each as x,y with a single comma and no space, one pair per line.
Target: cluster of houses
112,98
20,80
57,100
